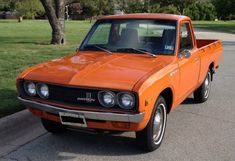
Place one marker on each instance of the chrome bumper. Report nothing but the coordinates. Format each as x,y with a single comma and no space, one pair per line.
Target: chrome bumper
106,116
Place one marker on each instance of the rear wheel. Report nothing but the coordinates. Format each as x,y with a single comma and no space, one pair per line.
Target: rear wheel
150,138
52,126
202,93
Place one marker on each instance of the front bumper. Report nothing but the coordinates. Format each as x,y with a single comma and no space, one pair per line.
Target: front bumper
105,116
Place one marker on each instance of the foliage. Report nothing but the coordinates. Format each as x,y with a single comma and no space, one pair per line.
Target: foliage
170,9
133,6
97,7
180,5
145,6
197,9
7,5
225,8
201,11
29,8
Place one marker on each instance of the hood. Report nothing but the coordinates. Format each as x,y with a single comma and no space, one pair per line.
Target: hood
98,69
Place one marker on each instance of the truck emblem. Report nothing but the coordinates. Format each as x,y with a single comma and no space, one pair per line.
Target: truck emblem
88,98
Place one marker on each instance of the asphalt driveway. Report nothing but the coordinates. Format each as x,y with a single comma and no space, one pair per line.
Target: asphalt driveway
197,132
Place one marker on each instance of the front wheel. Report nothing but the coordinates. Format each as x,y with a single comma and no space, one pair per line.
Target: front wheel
150,138
202,93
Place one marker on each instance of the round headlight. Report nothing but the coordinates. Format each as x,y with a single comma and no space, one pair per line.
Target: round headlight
126,100
30,88
106,98
43,90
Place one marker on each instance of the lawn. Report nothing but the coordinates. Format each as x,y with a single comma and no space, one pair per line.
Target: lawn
25,44
224,26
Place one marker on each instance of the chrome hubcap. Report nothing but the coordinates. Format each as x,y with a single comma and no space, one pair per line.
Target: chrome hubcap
158,123
207,85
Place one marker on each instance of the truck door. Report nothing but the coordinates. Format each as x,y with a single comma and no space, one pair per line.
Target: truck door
188,60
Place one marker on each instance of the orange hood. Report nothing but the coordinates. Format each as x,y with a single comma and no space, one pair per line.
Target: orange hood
97,69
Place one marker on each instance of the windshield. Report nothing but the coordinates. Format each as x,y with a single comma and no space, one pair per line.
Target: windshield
133,36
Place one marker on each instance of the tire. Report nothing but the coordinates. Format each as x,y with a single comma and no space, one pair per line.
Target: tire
202,93
150,139
53,127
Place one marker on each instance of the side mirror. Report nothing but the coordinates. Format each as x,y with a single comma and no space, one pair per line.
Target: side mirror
184,54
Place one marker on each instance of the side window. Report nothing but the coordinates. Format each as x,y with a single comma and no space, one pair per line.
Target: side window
101,35
185,37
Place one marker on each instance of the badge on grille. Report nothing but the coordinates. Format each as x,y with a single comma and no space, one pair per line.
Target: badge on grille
88,98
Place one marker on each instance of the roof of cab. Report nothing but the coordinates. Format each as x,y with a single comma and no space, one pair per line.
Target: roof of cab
147,16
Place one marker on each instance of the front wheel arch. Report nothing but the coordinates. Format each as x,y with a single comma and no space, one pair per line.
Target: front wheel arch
167,94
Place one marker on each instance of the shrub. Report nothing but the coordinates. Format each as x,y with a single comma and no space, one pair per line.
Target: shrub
201,11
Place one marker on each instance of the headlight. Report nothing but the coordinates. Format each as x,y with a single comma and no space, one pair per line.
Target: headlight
43,90
30,88
126,100
106,98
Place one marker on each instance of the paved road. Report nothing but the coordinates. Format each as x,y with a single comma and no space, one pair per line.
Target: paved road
197,132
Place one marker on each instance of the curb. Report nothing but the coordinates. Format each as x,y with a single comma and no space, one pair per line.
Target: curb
10,120
18,129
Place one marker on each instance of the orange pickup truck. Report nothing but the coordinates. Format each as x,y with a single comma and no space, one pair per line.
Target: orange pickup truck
129,72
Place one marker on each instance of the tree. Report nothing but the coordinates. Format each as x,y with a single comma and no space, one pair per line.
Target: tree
97,7
29,8
133,6
7,5
225,8
55,11
180,5
146,6
201,11
171,9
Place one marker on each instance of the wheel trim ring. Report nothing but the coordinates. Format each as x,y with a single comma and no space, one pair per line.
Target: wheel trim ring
157,124
207,85
163,125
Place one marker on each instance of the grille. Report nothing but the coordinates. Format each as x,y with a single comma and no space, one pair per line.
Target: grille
72,96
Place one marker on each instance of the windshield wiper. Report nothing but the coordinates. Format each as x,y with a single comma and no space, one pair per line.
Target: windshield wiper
139,50
103,49
97,47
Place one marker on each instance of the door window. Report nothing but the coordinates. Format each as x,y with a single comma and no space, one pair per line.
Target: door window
185,37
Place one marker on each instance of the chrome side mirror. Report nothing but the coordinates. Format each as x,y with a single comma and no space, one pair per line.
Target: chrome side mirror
184,54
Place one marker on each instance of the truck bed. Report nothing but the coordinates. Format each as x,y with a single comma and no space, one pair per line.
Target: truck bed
210,51
206,42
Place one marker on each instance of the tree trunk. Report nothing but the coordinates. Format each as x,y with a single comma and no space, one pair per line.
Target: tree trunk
58,34
55,11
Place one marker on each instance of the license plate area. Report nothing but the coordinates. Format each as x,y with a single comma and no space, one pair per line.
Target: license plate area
72,119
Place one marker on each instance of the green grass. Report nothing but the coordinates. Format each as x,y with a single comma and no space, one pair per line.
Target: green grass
25,44
224,26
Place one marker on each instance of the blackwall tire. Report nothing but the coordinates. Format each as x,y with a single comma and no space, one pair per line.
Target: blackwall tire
202,93
150,138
